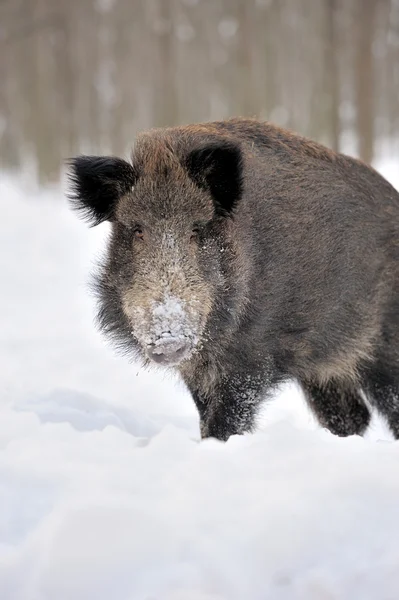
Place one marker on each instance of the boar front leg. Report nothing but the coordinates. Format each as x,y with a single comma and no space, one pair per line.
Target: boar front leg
232,406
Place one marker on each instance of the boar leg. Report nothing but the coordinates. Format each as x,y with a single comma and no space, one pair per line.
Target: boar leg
231,408
338,407
381,385
202,404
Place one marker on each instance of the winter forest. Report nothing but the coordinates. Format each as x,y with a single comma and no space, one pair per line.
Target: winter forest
109,487
87,75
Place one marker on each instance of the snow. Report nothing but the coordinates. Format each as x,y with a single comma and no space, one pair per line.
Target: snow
106,491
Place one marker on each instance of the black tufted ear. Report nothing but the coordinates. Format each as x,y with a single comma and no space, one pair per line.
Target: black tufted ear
97,182
217,166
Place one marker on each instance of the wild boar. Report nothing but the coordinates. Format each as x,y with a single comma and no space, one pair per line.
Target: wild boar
244,255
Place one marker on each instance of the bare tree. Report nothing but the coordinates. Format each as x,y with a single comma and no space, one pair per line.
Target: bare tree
364,74
331,72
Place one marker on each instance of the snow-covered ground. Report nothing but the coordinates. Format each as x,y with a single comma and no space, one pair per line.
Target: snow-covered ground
106,492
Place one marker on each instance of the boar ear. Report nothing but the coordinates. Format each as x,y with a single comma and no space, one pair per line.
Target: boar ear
217,166
97,182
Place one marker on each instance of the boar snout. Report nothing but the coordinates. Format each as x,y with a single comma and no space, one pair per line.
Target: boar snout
168,350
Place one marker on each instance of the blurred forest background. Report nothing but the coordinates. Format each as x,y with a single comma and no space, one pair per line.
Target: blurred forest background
87,75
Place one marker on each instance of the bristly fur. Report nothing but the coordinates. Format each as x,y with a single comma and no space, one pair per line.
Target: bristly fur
110,318
217,166
97,183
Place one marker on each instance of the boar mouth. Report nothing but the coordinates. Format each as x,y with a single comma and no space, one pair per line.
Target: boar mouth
169,351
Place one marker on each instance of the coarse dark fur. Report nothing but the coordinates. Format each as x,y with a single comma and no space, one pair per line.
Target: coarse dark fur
280,255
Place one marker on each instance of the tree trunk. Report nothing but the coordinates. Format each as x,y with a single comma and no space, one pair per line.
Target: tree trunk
364,78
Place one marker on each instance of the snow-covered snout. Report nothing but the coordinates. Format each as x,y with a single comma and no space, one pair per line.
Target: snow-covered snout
168,300
168,331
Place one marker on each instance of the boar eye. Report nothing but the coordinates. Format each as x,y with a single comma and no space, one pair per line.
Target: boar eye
194,234
138,232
